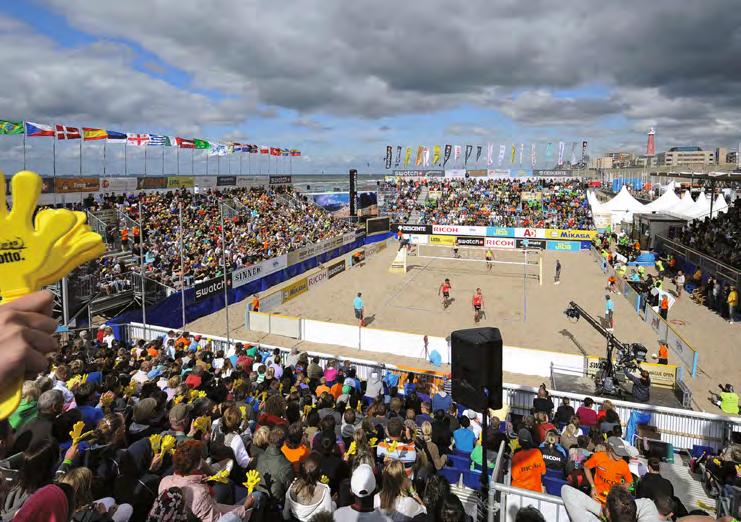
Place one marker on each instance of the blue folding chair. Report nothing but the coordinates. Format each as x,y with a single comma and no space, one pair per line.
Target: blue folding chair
472,479
452,475
553,485
459,461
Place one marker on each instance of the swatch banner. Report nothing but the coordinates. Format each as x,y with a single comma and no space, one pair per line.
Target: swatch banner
181,182
226,181
538,244
448,150
151,182
398,156
126,184
210,287
281,180
389,155
419,173
66,185
248,274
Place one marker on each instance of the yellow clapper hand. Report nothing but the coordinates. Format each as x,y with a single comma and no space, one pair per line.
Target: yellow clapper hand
76,434
202,424
253,479
155,441
220,476
168,444
34,254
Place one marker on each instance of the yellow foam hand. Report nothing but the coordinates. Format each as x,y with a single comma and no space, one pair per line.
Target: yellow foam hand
373,442
107,399
177,399
131,388
392,446
202,424
324,479
168,444
73,381
221,476
353,449
243,409
76,434
155,441
195,394
253,479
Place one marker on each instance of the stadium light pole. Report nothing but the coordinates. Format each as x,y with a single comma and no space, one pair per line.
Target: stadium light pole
224,269
182,264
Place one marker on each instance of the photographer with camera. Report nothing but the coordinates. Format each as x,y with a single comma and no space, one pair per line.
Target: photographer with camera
641,385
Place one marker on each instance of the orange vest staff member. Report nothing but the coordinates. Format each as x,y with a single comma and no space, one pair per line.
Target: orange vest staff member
606,469
528,466
256,303
663,353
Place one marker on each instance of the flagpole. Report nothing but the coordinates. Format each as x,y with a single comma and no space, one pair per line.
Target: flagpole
105,144
207,163
218,164
224,268
192,160
24,145
126,164
177,156
229,162
240,162
182,264
80,156
145,159
163,159
54,157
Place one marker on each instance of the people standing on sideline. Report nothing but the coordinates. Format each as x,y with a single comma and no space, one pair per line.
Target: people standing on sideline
663,357
726,400
256,302
359,307
732,303
557,277
679,282
664,306
609,310
478,304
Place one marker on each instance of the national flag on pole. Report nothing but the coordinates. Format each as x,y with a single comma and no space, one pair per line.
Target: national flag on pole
35,130
138,140
68,133
254,149
264,149
155,140
285,152
274,151
295,152
185,143
90,134
436,155
115,137
217,149
201,144
11,127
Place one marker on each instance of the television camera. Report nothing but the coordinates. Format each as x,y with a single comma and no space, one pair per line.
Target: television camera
610,377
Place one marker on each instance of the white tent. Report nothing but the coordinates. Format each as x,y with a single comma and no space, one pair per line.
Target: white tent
622,206
700,208
593,201
719,205
683,206
666,201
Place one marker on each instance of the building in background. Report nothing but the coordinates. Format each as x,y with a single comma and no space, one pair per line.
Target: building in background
732,157
621,159
644,161
603,162
693,155
721,155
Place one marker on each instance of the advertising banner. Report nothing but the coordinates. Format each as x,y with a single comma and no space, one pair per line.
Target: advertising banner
226,181
247,274
318,278
470,241
455,173
348,238
127,184
67,185
151,182
180,182
271,301
206,181
295,289
377,226
528,233
335,269
499,242
569,235
412,229
47,185
250,181
210,287
520,173
442,240
602,220
664,375
552,173
564,246
281,180
418,239
500,232
497,173
538,244
304,253
435,173
477,173
358,257
455,230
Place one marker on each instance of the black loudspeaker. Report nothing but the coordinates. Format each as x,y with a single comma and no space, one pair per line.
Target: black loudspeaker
477,365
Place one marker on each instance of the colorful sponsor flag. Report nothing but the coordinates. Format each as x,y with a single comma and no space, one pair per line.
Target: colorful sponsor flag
274,151
418,160
469,150
500,159
201,144
68,133
11,127
115,137
389,153
448,150
185,143
532,155
426,156
478,153
548,151
407,157
456,152
138,140
436,155
35,130
522,152
90,134
584,152
561,149
573,153
489,153
155,140
398,156
295,153
514,151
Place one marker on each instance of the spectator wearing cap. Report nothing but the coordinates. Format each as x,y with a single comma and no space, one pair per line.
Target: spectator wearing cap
179,418
605,469
475,425
362,485
528,466
144,413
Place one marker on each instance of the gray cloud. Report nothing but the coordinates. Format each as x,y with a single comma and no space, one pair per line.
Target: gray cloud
311,124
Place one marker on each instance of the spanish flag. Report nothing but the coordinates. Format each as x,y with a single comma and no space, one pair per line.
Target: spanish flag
90,134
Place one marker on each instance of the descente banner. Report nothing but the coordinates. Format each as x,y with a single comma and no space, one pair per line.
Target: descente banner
478,231
412,229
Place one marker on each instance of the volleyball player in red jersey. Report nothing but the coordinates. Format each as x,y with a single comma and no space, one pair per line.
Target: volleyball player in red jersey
478,303
445,290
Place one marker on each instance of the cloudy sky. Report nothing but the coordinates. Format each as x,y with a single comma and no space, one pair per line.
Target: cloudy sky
342,79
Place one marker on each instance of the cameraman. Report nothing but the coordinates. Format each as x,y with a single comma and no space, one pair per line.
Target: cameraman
641,385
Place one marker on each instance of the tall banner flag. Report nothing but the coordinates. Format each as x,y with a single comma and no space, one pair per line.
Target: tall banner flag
456,152
35,130
407,157
418,159
651,145
11,127
138,140
389,154
489,153
533,160
478,153
573,153
514,151
522,152
448,150
469,150
548,151
398,156
90,134
500,159
561,150
584,152
436,155
426,156
68,133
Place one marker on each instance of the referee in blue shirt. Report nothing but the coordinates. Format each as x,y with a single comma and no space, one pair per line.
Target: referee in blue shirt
359,308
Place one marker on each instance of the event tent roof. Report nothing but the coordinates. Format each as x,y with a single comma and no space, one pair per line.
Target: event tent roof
666,201
623,202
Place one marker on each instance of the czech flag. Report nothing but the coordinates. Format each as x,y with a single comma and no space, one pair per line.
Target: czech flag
38,129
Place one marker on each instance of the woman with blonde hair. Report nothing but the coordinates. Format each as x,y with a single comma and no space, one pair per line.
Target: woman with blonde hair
431,448
85,510
397,498
259,441
569,436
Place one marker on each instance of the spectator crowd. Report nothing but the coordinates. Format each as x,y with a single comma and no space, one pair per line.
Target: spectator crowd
541,203
719,237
